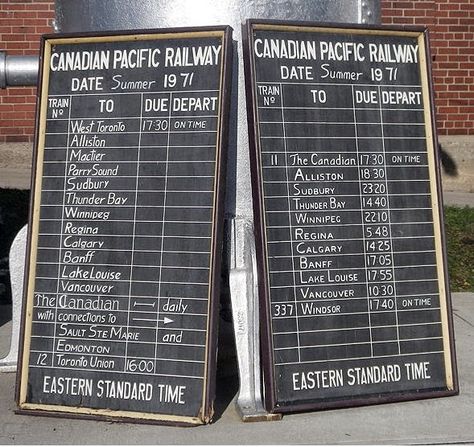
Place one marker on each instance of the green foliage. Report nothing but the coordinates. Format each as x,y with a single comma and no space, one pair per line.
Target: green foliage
459,225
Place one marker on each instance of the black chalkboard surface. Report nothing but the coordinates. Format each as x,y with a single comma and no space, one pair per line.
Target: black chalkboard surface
352,273
126,226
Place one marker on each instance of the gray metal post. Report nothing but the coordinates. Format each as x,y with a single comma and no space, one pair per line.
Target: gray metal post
243,286
17,266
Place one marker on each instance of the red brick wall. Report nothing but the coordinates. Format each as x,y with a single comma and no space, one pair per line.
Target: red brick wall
451,25
21,24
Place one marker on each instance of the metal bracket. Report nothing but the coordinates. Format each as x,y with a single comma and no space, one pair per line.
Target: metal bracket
369,11
244,297
17,267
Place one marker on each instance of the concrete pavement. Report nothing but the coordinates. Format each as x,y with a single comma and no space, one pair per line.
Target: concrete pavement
458,198
434,421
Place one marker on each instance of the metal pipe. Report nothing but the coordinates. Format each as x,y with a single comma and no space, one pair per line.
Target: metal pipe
18,70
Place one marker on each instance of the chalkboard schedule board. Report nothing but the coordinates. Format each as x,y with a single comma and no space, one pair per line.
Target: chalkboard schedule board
125,231
352,272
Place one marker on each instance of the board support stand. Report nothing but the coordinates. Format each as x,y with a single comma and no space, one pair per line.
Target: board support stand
244,297
17,266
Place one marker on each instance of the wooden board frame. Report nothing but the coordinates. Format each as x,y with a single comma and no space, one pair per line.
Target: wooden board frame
272,402
206,411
